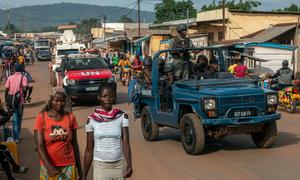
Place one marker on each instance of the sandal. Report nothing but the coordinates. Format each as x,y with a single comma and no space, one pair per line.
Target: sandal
21,170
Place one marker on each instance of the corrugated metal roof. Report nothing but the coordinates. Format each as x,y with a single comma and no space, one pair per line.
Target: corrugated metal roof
174,23
270,33
268,44
141,39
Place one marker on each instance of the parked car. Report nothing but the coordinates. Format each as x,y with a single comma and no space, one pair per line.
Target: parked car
214,107
83,75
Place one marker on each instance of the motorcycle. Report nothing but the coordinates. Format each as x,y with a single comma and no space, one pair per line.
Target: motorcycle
126,75
288,97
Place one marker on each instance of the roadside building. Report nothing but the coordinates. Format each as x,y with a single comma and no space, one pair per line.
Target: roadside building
239,23
282,33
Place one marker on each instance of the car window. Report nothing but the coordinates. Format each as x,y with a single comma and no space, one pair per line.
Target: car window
86,63
67,52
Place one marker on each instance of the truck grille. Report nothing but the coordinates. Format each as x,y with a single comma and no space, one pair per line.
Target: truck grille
92,81
241,101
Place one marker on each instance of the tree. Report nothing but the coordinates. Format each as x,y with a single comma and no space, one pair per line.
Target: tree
85,25
232,4
170,10
12,28
125,19
291,8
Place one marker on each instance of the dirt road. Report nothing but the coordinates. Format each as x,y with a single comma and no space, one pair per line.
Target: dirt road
234,157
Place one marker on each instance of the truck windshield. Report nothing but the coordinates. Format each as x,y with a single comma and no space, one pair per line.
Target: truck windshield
86,63
44,52
42,43
67,51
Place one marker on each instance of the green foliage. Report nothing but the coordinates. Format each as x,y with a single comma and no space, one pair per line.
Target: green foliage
291,8
170,10
125,19
232,4
84,27
12,28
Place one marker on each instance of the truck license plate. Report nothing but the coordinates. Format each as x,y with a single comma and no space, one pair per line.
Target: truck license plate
243,113
91,89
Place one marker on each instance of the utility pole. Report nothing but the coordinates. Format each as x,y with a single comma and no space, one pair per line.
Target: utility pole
295,44
187,20
223,9
139,17
8,21
104,28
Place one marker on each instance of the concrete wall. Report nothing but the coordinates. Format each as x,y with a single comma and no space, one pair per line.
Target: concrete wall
276,56
123,26
98,32
211,15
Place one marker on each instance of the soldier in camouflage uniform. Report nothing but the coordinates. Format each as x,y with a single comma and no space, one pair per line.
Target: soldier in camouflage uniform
181,59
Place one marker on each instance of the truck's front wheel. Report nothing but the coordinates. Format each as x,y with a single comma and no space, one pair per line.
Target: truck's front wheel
149,127
266,137
192,134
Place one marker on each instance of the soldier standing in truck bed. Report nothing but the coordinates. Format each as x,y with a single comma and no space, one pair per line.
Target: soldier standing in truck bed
181,59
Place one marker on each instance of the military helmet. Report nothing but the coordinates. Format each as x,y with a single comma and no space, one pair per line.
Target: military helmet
285,63
147,61
181,27
169,67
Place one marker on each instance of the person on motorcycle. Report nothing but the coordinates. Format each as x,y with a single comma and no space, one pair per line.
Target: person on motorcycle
137,64
125,66
115,62
21,60
285,76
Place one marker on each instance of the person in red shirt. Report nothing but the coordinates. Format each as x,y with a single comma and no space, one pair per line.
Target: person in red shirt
240,71
56,139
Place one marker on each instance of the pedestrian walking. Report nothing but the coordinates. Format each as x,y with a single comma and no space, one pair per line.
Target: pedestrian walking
14,98
56,140
107,141
29,89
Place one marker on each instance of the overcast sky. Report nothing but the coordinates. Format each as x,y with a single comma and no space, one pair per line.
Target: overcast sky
146,4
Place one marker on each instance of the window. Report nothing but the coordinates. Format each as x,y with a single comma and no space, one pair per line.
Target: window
210,37
220,36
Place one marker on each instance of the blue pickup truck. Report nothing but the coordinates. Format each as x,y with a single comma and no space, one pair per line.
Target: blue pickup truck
206,108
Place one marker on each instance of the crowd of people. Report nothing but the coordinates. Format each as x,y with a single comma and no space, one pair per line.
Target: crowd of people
18,90
107,132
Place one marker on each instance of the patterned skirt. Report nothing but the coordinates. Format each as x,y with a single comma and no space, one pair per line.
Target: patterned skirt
65,173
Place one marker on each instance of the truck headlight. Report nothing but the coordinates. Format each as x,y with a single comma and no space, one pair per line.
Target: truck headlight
111,80
272,99
71,82
209,104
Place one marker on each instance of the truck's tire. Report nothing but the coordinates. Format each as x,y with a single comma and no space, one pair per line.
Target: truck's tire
266,137
149,127
192,134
